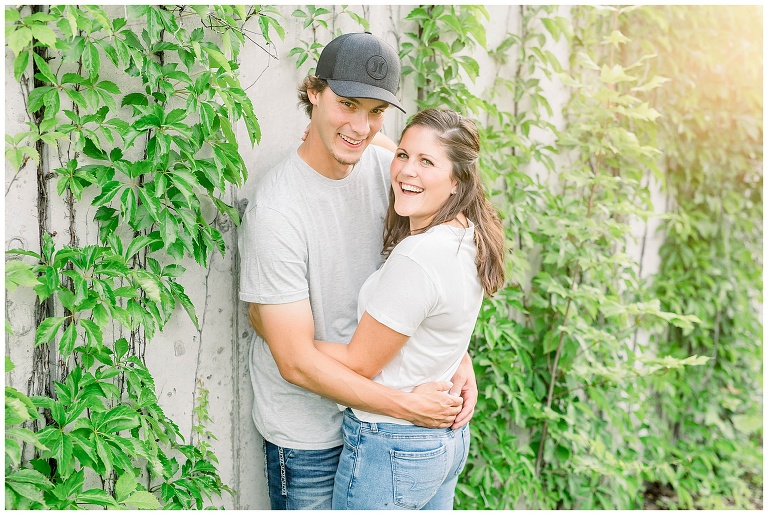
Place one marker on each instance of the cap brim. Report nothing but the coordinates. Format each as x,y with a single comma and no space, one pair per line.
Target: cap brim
351,89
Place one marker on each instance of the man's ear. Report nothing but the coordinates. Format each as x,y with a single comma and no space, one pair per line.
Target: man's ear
313,96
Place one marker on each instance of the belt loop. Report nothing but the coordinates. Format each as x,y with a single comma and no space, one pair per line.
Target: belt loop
374,427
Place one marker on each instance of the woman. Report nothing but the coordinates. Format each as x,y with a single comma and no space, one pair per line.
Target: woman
445,248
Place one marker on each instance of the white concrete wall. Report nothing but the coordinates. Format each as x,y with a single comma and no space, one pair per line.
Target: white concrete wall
216,356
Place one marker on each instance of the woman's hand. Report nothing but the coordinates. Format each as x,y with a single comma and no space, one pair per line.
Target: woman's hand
433,406
464,384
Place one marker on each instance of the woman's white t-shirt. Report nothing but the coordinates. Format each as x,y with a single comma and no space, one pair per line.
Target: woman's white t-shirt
427,289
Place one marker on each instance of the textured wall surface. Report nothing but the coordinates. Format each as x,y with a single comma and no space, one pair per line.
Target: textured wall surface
181,357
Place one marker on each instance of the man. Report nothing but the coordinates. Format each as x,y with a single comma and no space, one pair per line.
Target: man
311,235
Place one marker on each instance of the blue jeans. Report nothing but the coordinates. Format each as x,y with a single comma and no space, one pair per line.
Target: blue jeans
395,467
300,479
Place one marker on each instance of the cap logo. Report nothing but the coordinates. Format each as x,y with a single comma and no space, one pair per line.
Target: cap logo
376,67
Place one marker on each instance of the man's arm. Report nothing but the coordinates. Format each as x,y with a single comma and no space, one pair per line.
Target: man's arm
288,329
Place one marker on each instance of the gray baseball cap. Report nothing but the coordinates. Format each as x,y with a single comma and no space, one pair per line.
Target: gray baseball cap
360,65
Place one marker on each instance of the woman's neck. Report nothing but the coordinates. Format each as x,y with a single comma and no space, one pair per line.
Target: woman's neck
458,221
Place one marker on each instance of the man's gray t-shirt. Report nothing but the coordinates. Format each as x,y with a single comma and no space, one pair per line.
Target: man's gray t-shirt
306,236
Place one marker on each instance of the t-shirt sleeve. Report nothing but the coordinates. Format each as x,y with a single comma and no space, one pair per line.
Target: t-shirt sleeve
273,258
404,296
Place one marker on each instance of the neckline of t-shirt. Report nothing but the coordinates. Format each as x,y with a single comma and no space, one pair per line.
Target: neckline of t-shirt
455,230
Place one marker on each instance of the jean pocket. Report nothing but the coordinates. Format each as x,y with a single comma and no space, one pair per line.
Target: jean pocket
417,475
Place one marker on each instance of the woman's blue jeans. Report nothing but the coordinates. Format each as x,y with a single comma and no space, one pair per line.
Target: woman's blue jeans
393,467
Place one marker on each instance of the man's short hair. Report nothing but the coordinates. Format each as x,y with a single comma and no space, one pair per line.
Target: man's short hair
315,84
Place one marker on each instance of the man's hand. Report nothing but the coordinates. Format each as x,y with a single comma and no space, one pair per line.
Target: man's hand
432,406
464,384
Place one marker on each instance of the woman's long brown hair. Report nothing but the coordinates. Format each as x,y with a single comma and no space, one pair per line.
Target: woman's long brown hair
460,139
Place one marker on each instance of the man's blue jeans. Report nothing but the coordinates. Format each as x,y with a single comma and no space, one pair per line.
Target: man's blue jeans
300,479
394,467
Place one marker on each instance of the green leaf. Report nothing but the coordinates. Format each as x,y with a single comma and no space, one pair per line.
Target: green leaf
48,329
119,418
136,245
44,34
174,116
104,454
218,58
93,333
20,64
747,424
37,97
96,496
31,477
25,435
58,443
12,452
137,99
121,347
100,315
178,292
12,15
91,59
72,78
27,491
614,74
125,485
228,210
143,501
109,87
76,97
16,410
91,150
19,39
19,273
148,284
67,342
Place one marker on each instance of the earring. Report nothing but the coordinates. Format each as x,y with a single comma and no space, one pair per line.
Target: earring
453,193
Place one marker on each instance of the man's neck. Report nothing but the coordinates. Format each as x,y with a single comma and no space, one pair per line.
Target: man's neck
316,155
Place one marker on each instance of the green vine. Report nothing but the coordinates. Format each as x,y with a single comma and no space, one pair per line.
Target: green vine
152,156
320,18
551,347
710,425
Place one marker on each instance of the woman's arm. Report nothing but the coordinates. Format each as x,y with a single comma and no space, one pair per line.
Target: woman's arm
360,355
288,329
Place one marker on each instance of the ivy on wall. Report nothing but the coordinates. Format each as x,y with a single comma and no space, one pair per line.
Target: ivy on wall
711,421
566,388
152,155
